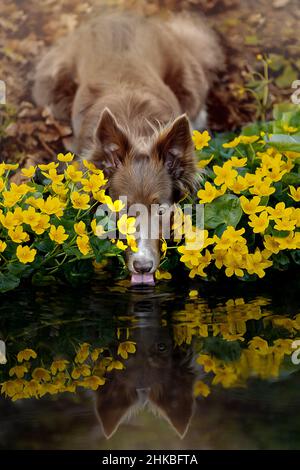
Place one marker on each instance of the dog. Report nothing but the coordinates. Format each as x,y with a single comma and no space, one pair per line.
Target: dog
159,376
131,87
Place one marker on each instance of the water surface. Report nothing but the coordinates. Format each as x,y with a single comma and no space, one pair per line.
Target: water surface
213,371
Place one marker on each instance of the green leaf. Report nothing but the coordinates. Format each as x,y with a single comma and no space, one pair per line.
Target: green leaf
41,279
224,210
284,142
8,282
287,77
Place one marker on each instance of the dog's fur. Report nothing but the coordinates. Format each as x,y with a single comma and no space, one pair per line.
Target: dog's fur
130,85
159,376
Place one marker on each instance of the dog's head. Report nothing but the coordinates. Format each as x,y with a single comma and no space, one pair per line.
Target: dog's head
152,172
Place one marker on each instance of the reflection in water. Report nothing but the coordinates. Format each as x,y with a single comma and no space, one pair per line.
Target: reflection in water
200,366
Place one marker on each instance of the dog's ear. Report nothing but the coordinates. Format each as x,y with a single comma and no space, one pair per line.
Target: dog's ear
175,148
113,141
113,403
174,400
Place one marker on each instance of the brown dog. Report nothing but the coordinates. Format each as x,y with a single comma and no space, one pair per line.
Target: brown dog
130,85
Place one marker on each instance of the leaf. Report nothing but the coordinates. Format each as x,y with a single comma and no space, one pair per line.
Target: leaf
100,248
285,142
8,282
224,210
286,79
41,279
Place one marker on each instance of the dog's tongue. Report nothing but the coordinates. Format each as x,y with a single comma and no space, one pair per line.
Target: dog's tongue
137,279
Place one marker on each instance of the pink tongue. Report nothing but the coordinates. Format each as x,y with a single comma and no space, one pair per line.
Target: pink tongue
137,279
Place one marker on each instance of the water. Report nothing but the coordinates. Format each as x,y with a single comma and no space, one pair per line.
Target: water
253,398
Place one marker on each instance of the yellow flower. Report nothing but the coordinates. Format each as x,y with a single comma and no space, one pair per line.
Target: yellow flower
98,229
159,275
193,294
58,366
58,234
8,167
125,348
257,263
81,370
10,198
207,362
233,263
271,244
34,202
200,388
204,162
80,201
238,185
259,345
25,254
126,225
121,245
94,183
68,157
52,206
49,166
242,139
295,193
93,382
30,216
59,189
12,387
80,228
260,222
29,172
225,376
286,224
18,216
132,244
26,355
82,353
100,196
229,236
209,193
41,374
73,174
3,246
289,129
238,162
54,176
18,371
224,174
114,206
96,353
291,242
280,211
41,224
201,139
83,244
115,365
262,187
18,235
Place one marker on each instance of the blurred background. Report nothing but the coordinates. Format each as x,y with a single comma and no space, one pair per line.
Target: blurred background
248,29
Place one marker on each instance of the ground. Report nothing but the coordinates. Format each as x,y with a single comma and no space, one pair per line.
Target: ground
247,28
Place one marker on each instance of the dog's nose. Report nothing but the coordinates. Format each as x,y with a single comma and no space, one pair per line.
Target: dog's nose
143,266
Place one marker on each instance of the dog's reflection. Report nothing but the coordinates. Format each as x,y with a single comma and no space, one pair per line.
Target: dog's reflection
158,376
